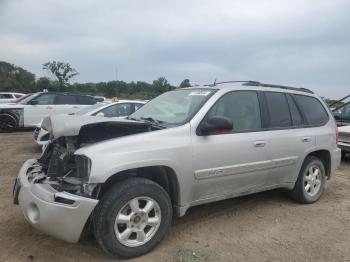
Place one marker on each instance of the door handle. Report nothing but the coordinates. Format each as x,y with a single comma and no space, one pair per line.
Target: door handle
259,143
306,139
49,107
75,107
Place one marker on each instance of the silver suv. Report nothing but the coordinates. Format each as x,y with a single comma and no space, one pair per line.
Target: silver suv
187,147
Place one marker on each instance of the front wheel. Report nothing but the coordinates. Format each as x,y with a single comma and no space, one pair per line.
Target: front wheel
311,181
8,123
132,217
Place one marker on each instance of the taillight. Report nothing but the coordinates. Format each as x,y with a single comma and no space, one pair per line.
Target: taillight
337,135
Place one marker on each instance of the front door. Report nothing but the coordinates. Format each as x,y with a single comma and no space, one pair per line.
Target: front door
38,108
235,162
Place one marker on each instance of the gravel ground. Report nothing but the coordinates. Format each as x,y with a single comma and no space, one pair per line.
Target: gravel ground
261,227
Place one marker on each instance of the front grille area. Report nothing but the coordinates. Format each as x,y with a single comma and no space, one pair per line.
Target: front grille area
36,133
344,137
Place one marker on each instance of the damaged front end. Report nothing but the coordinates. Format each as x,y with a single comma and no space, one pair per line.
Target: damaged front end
53,191
66,171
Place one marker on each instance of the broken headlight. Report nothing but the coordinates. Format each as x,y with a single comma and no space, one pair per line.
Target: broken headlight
83,166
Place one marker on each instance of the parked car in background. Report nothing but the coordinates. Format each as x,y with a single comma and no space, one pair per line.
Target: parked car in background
7,97
344,140
343,115
100,98
186,147
29,111
122,108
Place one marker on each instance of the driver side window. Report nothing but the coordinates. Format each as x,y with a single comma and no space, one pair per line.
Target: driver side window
242,107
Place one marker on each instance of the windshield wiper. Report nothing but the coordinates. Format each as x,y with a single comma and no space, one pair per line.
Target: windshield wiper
150,119
132,118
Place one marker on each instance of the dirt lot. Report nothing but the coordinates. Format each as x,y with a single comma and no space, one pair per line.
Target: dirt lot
262,227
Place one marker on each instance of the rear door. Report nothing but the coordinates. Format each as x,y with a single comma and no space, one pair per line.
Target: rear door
289,138
66,104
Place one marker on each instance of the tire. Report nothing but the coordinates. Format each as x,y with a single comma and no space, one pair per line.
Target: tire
303,192
120,201
8,123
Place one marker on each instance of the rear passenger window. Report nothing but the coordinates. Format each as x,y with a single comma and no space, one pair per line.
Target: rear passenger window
86,100
313,110
278,108
294,111
242,107
62,99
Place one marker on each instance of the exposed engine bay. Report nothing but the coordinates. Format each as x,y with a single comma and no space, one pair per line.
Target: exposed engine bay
65,171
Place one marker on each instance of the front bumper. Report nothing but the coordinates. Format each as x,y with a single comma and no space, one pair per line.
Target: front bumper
43,207
344,146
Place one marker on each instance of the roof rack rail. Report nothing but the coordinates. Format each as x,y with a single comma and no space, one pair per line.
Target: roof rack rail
235,81
300,89
257,83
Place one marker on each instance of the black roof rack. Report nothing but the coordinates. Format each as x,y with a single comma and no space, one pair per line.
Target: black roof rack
301,89
235,81
256,83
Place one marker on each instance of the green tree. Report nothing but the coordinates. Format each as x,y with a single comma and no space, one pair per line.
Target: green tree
14,78
62,71
161,85
185,83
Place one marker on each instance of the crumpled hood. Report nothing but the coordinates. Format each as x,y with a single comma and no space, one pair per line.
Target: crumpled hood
70,125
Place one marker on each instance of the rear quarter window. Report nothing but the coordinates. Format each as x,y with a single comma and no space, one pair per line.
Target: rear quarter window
313,110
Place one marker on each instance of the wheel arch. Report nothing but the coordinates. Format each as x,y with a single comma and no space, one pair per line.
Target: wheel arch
163,175
325,156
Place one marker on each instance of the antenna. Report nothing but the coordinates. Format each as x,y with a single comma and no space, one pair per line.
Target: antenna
116,73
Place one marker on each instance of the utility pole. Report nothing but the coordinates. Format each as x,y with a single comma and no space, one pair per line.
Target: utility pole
116,73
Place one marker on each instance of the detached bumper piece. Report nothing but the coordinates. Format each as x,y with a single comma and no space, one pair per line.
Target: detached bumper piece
59,214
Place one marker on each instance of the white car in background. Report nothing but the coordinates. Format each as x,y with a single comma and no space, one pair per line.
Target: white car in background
29,111
119,109
7,97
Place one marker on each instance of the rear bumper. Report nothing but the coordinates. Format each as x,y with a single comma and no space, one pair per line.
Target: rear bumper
40,206
344,146
336,159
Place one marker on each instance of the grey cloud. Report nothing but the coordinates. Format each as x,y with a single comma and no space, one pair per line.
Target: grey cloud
303,43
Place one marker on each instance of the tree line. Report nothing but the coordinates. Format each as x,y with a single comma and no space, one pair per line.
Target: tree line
16,79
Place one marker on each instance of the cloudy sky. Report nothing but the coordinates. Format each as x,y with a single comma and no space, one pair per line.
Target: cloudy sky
292,42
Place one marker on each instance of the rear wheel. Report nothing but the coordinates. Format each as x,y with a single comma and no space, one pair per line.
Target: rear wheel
311,181
132,217
8,123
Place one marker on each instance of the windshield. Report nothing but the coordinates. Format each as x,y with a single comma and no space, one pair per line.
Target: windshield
89,109
25,99
174,107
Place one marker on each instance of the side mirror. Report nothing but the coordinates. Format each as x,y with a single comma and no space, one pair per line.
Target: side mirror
33,102
100,114
216,125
